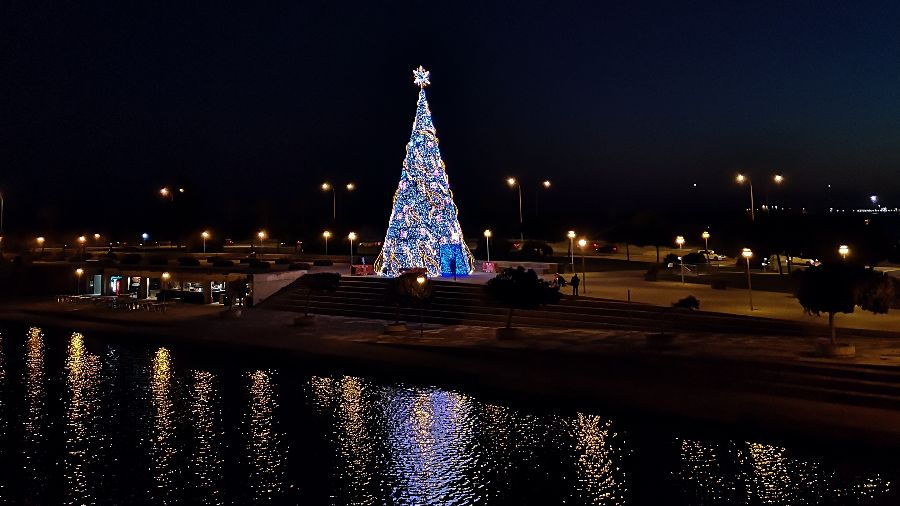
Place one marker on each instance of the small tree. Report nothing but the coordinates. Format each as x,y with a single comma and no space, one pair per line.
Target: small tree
520,289
405,289
319,282
839,288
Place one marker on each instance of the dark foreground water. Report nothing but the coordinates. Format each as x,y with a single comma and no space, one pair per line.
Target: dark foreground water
86,421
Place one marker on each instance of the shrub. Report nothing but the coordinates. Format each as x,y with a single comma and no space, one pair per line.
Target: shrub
689,302
319,282
221,262
157,260
299,266
839,288
520,289
405,289
283,261
323,263
189,262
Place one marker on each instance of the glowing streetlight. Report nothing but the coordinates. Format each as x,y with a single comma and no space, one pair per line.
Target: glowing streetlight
705,236
78,273
747,253
679,240
164,192
328,187
261,235
352,237
421,281
82,240
144,238
351,187
487,240
741,179
515,184
844,250
581,244
96,237
205,236
546,183
40,242
571,236
326,234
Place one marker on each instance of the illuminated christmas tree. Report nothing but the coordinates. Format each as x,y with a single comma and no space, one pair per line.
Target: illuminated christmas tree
424,229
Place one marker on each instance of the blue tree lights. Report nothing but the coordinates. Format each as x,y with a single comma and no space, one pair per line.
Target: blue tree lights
424,230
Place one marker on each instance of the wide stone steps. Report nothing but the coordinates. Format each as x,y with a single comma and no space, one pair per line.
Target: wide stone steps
455,303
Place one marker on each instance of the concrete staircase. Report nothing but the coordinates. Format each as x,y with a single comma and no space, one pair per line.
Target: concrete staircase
464,303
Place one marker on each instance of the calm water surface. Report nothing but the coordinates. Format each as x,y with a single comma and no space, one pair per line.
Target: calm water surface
88,421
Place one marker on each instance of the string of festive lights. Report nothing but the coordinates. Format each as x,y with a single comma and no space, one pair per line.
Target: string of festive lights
424,231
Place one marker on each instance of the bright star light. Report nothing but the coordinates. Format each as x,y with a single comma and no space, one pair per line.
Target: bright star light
421,76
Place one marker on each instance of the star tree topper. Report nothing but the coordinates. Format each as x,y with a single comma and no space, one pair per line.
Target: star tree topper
421,76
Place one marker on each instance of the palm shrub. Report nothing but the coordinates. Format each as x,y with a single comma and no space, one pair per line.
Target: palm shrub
520,289
320,282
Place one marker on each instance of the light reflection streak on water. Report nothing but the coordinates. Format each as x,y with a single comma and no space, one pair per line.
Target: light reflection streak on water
265,451
162,446
83,438
763,474
601,479
35,399
433,454
354,440
206,416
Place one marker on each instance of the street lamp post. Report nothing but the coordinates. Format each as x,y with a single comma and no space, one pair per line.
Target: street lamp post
326,234
679,240
78,273
421,281
205,236
705,236
40,241
352,237
747,254
262,237
741,179
326,186
166,285
487,240
512,182
581,244
82,240
844,250
571,236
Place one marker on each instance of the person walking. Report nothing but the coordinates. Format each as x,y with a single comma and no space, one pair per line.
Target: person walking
575,282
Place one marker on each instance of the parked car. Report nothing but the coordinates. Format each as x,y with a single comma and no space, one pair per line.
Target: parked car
530,250
711,255
694,258
605,248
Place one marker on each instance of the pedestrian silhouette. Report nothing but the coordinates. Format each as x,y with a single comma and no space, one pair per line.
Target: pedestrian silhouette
453,266
575,282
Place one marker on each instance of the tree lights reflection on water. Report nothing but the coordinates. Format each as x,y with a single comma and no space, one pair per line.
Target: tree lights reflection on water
88,421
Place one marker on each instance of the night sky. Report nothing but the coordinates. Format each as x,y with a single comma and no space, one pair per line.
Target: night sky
624,106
